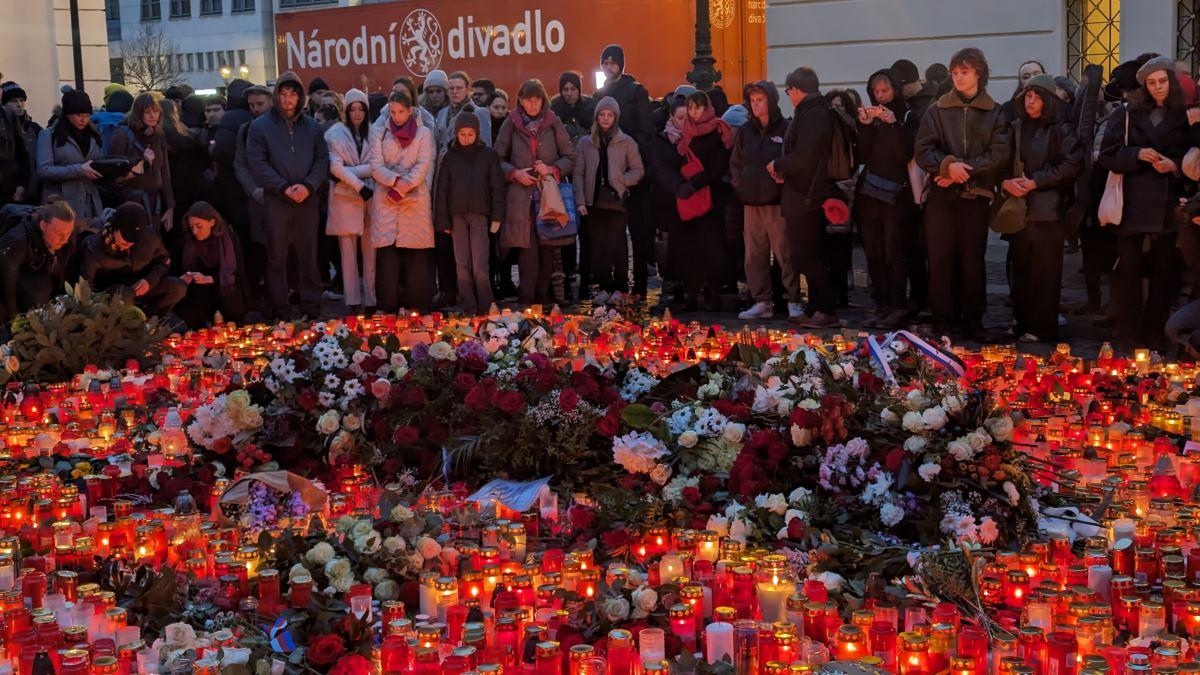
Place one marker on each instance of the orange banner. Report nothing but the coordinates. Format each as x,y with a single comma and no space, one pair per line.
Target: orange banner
507,41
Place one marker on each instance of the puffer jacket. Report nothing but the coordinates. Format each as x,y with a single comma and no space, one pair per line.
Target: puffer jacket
954,130
625,167
408,223
756,146
351,166
283,152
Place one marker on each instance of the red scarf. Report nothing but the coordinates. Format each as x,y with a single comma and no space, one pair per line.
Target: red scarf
405,134
707,124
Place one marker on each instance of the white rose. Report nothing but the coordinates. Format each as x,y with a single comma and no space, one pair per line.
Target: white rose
718,524
298,570
329,422
889,418
801,436
832,580
734,432
660,474
369,543
352,422
344,524
929,471
441,351
360,529
394,545
634,578
912,422
387,589
374,575
1000,427
915,444
953,403
793,514
915,399
450,557
890,514
320,554
775,503
689,439
338,567
428,548
739,530
179,635
401,513
798,495
645,598
416,560
342,583
960,450
935,417
615,609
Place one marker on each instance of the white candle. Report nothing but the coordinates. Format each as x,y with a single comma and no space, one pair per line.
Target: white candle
670,567
429,603
1122,528
772,599
719,637
1100,580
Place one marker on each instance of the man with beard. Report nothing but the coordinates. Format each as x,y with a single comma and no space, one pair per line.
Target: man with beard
636,120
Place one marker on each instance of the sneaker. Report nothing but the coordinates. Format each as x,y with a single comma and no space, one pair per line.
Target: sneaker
818,320
795,310
760,310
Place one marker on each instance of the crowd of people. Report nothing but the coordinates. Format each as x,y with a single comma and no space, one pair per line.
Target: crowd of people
269,200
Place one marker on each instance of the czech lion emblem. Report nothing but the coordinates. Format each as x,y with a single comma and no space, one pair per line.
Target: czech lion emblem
421,42
721,12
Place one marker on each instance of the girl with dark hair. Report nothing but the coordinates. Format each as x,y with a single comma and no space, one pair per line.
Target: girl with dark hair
1149,156
143,139
65,152
498,110
211,265
697,250
533,144
1049,161
349,218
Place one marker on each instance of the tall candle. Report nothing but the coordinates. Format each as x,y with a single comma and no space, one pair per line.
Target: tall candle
670,567
772,598
719,637
1100,580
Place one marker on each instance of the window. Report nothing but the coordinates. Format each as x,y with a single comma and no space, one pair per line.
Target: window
211,8
243,6
241,57
191,63
181,9
116,70
1187,35
112,17
1093,35
151,10
209,58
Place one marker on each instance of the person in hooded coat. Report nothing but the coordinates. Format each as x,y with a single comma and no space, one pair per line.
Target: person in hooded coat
231,198
637,121
1049,159
758,143
144,140
65,153
1025,72
709,139
571,106
289,159
607,165
349,217
884,200
1150,159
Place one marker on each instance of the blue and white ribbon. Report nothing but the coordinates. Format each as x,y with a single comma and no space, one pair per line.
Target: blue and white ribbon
281,638
941,358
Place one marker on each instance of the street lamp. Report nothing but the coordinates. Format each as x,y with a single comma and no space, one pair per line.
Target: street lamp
244,71
226,73
703,76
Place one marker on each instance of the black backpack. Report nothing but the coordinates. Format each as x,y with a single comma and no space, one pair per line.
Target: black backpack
13,215
842,161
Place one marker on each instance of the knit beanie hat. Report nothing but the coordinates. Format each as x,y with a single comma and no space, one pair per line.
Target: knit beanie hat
119,102
130,220
1155,64
175,93
736,115
316,85
437,78
608,103
356,96
466,120
684,90
76,102
12,91
573,77
111,88
1043,81
616,53
905,72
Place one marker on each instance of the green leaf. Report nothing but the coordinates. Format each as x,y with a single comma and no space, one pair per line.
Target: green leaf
638,416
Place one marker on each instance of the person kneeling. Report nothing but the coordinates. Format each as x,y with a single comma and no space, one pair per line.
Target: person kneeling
128,258
34,257
211,265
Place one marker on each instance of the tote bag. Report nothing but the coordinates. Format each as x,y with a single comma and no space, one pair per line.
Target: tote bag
700,202
1112,204
1008,212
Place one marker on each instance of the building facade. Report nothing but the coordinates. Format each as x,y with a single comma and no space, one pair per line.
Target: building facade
37,51
847,40
201,43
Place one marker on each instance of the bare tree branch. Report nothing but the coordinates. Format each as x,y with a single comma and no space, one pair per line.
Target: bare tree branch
149,59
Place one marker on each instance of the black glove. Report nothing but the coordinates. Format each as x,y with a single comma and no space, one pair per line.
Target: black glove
685,190
366,193
698,181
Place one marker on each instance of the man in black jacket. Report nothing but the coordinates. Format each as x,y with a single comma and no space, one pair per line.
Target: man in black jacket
34,257
232,198
758,143
14,99
918,96
963,145
288,157
16,167
636,120
806,186
128,258
884,201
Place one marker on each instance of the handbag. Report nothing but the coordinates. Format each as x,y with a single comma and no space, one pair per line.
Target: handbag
1112,203
1008,212
556,220
607,199
880,188
700,202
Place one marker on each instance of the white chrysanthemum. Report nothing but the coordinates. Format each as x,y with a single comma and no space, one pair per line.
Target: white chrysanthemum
638,452
890,514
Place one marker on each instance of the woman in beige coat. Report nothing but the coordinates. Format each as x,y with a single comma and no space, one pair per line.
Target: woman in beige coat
349,218
401,162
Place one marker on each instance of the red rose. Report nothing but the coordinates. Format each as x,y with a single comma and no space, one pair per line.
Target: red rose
353,664
371,364
414,397
307,400
796,528
325,649
691,495
509,402
406,435
609,425
222,446
581,517
894,458
614,539
477,399
732,409
568,400
463,382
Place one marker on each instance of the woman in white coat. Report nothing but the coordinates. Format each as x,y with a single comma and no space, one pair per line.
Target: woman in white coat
349,218
401,210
